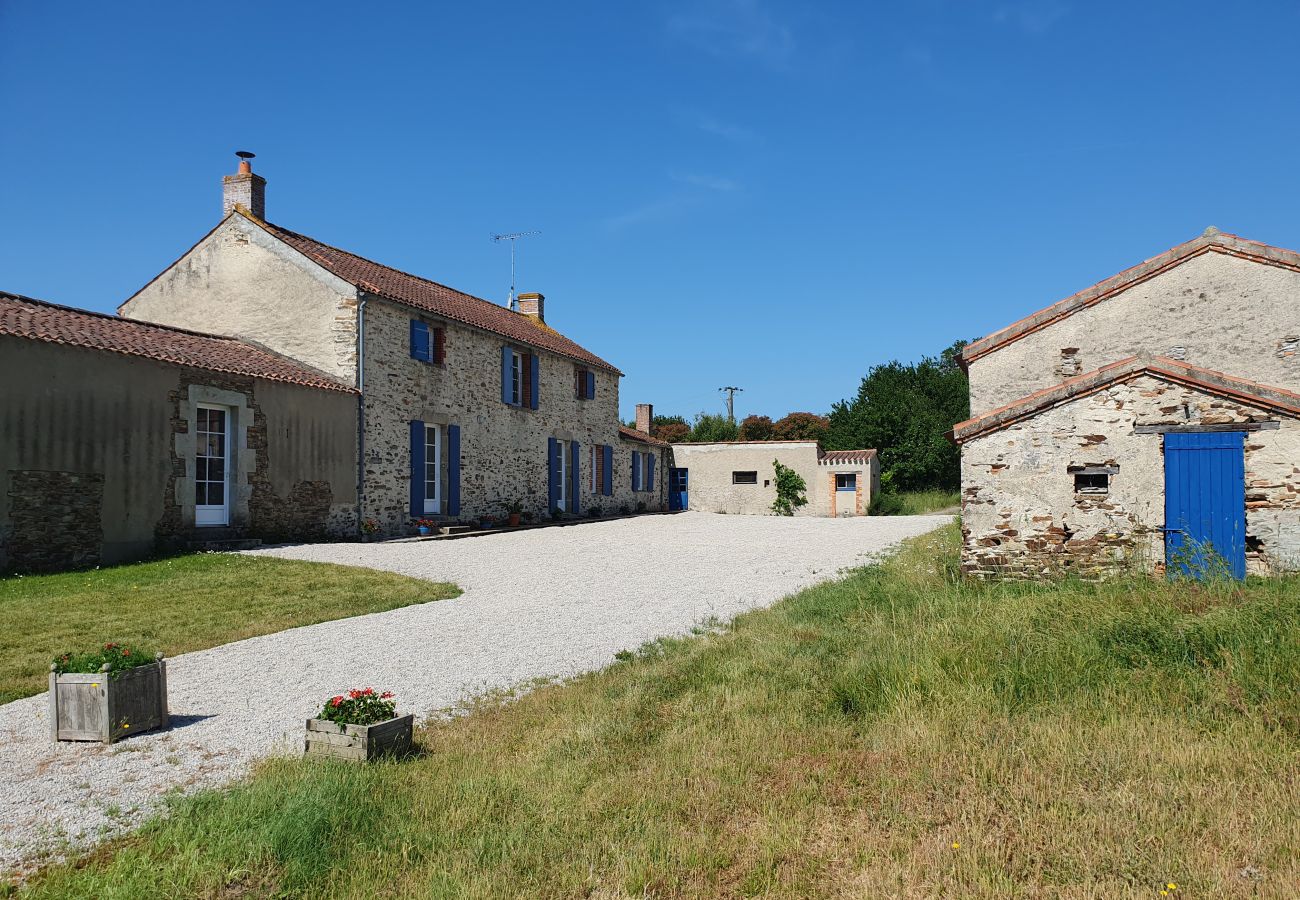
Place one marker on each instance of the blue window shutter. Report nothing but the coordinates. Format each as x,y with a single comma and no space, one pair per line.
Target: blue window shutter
453,470
575,466
417,469
420,348
636,471
552,473
608,481
591,385
505,375
535,363
649,471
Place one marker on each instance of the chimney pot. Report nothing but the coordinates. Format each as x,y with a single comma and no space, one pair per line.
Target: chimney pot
533,305
244,188
645,415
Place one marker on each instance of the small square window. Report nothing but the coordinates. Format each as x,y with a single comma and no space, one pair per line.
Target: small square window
846,481
1091,482
744,477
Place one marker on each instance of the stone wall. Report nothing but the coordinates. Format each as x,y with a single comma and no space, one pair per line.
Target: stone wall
503,448
1214,310
1021,516
55,520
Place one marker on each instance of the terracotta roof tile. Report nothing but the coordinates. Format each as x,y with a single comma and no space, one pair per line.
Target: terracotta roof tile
411,290
631,434
843,457
41,321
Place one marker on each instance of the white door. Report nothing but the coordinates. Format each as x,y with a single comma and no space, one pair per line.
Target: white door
433,469
212,466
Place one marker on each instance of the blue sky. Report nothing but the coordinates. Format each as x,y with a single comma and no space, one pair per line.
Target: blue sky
775,195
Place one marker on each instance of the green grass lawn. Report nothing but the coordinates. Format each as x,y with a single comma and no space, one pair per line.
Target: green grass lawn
919,503
181,604
896,733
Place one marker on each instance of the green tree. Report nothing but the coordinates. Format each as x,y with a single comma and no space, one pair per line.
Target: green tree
672,432
791,490
801,426
710,427
756,428
906,412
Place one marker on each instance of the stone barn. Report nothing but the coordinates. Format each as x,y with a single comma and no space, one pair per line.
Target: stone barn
1148,422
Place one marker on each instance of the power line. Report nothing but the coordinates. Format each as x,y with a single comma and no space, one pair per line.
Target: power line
731,402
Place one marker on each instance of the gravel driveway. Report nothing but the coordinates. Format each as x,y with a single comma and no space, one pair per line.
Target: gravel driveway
548,602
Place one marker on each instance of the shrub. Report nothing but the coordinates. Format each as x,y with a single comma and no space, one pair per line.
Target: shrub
887,503
118,658
359,707
790,490
593,512
557,514
640,506
625,510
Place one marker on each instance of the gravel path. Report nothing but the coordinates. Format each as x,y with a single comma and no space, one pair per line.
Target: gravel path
542,603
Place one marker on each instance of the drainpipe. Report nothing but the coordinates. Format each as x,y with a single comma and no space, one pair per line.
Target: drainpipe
361,411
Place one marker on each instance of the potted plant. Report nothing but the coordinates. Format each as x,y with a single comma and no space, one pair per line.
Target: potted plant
369,529
106,695
360,726
514,509
424,527
484,523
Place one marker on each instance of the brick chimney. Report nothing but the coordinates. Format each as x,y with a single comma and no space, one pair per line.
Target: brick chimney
244,189
533,305
645,415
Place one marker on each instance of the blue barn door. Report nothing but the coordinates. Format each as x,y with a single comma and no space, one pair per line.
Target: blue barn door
678,482
1205,502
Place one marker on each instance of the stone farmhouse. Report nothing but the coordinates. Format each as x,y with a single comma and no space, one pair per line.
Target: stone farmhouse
267,385
1143,422
737,477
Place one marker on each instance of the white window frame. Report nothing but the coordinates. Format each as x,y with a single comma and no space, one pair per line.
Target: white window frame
565,466
433,504
516,378
214,514
736,472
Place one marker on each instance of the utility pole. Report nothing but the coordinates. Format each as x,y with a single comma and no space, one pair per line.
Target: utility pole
731,402
512,238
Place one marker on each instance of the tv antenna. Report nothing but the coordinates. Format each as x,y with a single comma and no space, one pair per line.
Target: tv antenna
731,402
513,237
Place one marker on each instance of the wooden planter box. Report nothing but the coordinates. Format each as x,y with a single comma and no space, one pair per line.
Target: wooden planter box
92,706
359,742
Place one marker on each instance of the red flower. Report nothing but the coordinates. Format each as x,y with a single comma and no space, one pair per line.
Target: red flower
385,695
336,701
368,692
354,693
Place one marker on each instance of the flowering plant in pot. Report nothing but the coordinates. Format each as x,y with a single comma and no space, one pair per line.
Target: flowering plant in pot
107,694
369,528
359,725
514,509
424,527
